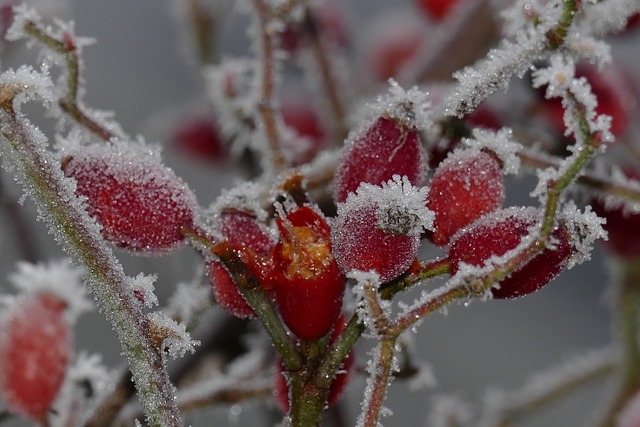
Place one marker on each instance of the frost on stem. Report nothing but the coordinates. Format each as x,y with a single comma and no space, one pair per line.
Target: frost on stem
170,336
577,98
511,58
501,143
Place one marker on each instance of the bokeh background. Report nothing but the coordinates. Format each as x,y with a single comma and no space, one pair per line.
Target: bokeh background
142,68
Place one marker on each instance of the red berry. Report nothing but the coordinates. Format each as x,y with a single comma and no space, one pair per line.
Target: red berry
200,137
338,385
623,227
501,231
310,286
465,186
360,244
140,203
249,235
437,9
304,120
35,346
386,148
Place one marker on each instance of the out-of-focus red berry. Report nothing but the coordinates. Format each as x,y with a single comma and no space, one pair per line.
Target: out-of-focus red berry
623,227
386,148
245,232
501,231
465,186
140,203
310,286
304,120
200,138
360,244
35,347
437,9
391,49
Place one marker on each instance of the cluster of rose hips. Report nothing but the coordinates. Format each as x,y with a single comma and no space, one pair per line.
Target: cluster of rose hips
302,258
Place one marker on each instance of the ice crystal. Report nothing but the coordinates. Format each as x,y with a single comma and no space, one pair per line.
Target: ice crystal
57,277
26,84
143,287
585,228
188,300
500,143
175,339
248,197
410,107
400,206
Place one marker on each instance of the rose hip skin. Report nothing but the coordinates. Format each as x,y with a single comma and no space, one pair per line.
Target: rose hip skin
465,186
360,244
35,347
243,231
386,148
141,205
310,285
500,231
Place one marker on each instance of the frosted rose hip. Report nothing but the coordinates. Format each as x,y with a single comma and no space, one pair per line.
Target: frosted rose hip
386,148
247,233
140,203
35,347
465,186
360,244
503,230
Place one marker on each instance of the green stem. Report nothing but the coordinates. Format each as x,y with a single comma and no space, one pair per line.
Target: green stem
69,102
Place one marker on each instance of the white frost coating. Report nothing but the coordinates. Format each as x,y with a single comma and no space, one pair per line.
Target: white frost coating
22,13
142,285
557,76
232,92
519,15
509,59
584,46
562,83
57,277
401,208
372,364
363,308
25,84
449,410
411,107
424,378
429,296
585,228
188,300
607,17
248,197
176,340
500,143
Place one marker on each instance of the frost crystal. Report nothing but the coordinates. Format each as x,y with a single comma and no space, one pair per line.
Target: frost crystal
585,228
410,107
448,410
500,143
57,277
26,84
247,197
188,300
175,339
142,286
401,207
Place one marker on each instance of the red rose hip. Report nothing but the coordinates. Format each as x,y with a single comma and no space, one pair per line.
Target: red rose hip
465,186
141,204
501,231
310,286
386,148
35,347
